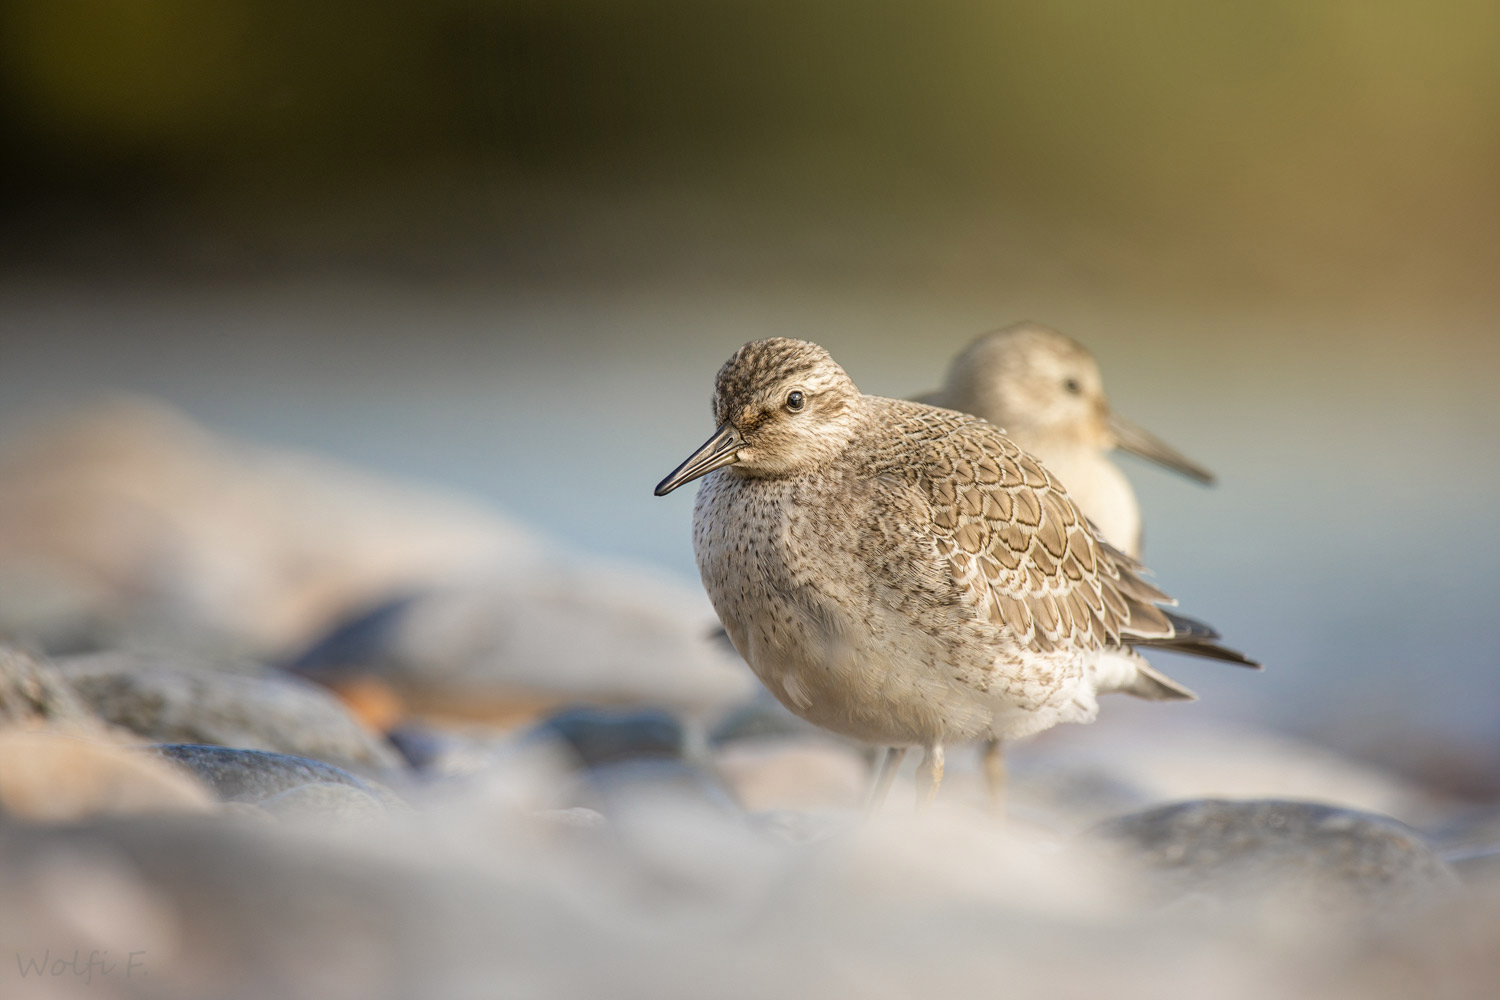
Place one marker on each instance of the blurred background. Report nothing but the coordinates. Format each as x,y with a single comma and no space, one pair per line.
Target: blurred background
501,246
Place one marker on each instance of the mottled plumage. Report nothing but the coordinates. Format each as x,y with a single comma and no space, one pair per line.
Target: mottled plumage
905,574
1045,390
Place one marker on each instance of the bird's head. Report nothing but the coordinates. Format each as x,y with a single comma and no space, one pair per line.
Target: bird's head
782,406
1045,390
1034,382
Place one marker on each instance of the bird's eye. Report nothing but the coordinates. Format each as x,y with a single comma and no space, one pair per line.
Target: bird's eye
795,400
1072,386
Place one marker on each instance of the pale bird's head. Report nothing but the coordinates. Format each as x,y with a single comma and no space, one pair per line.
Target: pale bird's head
1033,381
782,407
1045,390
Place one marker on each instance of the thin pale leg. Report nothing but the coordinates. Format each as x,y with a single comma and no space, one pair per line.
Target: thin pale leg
995,775
930,776
883,778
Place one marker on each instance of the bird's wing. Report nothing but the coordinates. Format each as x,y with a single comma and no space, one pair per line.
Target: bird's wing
1025,554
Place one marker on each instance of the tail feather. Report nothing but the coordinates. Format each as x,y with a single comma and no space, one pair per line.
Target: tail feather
1194,638
1206,650
1153,685
1127,672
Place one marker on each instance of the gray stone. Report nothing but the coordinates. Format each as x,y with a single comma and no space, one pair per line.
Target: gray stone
604,735
322,800
639,782
257,776
1475,864
1299,851
234,705
1470,842
761,717
529,637
1473,829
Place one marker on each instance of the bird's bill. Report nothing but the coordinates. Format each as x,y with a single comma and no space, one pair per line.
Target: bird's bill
1141,442
718,451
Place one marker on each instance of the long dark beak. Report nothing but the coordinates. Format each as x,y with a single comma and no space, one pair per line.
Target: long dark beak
1141,442
718,451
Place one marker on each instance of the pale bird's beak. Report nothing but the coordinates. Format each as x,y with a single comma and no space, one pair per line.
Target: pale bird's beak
1141,442
718,451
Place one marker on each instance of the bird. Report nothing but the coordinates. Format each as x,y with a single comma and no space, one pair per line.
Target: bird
906,575
1044,388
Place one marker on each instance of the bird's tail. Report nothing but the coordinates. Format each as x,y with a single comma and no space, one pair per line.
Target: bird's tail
1194,638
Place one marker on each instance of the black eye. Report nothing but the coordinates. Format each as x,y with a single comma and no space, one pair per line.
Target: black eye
795,400
1072,386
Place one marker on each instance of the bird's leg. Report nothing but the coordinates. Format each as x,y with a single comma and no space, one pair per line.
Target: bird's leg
889,763
994,775
930,776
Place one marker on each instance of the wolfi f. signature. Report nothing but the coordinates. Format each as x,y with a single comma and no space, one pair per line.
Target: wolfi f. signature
75,964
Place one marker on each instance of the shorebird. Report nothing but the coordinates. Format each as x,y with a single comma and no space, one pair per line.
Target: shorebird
906,575
1045,390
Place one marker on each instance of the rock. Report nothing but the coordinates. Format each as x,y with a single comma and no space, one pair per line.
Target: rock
801,828
600,736
528,638
1475,864
137,521
43,606
1470,842
1475,828
802,773
143,526
422,747
53,778
256,776
324,801
31,694
459,752
265,710
1299,851
1079,775
634,786
663,900
363,638
761,717
575,818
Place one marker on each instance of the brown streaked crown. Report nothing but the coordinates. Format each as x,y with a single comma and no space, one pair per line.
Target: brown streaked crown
747,378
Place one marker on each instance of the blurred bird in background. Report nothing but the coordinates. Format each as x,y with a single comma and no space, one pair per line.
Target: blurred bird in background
1045,390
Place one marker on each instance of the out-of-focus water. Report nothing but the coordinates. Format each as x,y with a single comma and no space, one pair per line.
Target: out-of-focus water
1351,543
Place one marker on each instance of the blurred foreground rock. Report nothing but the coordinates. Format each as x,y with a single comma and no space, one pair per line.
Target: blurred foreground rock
54,778
475,898
278,782
506,647
806,773
1305,853
1075,776
128,526
127,519
256,708
31,694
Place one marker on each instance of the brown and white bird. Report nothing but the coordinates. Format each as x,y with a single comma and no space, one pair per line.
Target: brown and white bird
906,575
1044,389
